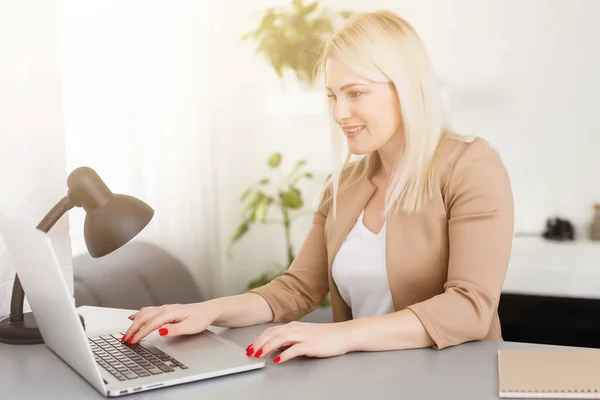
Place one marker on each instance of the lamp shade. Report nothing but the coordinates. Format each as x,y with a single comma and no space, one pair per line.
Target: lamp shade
111,219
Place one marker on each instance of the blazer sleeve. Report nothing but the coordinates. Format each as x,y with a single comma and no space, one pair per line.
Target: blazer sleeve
480,231
301,288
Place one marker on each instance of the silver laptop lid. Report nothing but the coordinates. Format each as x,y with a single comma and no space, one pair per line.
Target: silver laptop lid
37,266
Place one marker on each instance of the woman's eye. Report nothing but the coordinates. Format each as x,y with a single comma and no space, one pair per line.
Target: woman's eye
354,95
331,96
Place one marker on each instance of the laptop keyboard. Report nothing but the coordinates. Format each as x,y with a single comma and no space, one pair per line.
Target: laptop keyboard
131,361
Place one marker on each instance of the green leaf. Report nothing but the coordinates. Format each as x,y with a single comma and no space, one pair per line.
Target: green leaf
326,303
310,8
263,181
246,193
297,167
259,213
240,231
291,199
256,197
307,175
274,160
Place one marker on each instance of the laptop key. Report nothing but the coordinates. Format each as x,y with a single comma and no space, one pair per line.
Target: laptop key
131,375
165,368
152,349
154,371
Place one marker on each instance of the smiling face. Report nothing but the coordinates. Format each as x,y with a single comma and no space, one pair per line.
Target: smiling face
368,112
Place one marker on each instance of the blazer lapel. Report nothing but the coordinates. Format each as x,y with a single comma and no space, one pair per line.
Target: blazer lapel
350,203
349,206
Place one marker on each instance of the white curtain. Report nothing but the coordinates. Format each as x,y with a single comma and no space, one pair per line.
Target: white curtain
138,85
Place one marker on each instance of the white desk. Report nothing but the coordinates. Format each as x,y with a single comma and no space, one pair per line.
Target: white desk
464,372
549,268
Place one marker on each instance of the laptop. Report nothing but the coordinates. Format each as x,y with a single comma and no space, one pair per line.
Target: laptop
113,368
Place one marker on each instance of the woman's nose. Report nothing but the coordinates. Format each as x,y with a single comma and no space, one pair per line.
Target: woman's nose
341,112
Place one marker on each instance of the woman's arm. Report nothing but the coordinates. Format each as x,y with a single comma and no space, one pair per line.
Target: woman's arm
480,232
242,310
396,331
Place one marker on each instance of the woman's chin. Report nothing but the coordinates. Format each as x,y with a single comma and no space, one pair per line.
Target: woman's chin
359,150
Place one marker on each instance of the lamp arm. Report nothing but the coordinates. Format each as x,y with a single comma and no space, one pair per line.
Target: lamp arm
18,295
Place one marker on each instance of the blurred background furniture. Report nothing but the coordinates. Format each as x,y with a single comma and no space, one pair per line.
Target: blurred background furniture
551,293
136,275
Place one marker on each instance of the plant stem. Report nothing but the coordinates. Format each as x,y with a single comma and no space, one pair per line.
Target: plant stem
288,236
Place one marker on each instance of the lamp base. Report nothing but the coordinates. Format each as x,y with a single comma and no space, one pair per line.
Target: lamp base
25,332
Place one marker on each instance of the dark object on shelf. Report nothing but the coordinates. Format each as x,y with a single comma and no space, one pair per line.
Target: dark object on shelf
595,225
559,229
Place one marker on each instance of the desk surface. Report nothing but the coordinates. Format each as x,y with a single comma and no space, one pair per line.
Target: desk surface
468,371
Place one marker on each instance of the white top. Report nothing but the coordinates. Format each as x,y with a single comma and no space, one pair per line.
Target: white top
359,271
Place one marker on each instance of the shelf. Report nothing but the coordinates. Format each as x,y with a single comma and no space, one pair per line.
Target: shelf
551,268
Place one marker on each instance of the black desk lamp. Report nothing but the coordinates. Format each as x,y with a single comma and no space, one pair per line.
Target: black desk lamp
111,221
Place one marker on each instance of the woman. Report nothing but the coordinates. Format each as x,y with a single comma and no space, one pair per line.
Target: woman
412,240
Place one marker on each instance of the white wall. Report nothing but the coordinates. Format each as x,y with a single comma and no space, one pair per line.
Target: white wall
522,74
32,157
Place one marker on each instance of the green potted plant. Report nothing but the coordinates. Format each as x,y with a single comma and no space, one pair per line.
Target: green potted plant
292,38
285,196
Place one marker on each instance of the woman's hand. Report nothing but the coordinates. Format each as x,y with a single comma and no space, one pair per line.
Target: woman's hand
302,339
170,320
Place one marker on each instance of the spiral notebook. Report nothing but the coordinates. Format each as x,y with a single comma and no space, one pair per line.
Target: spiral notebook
549,374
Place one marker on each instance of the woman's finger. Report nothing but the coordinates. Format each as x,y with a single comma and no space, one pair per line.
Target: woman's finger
167,315
141,317
283,339
255,348
296,350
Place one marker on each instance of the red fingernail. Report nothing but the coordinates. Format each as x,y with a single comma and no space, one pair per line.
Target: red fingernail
259,353
130,339
163,331
131,316
248,348
123,339
250,352
277,359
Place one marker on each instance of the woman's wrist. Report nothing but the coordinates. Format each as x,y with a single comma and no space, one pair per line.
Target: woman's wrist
352,336
213,308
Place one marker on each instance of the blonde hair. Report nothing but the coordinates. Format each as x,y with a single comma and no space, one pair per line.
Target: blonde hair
382,47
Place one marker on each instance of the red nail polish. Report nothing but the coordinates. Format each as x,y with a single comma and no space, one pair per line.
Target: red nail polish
163,331
250,352
259,353
123,339
277,359
248,348
130,339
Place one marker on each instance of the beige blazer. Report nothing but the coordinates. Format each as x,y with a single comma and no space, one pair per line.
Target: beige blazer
446,263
